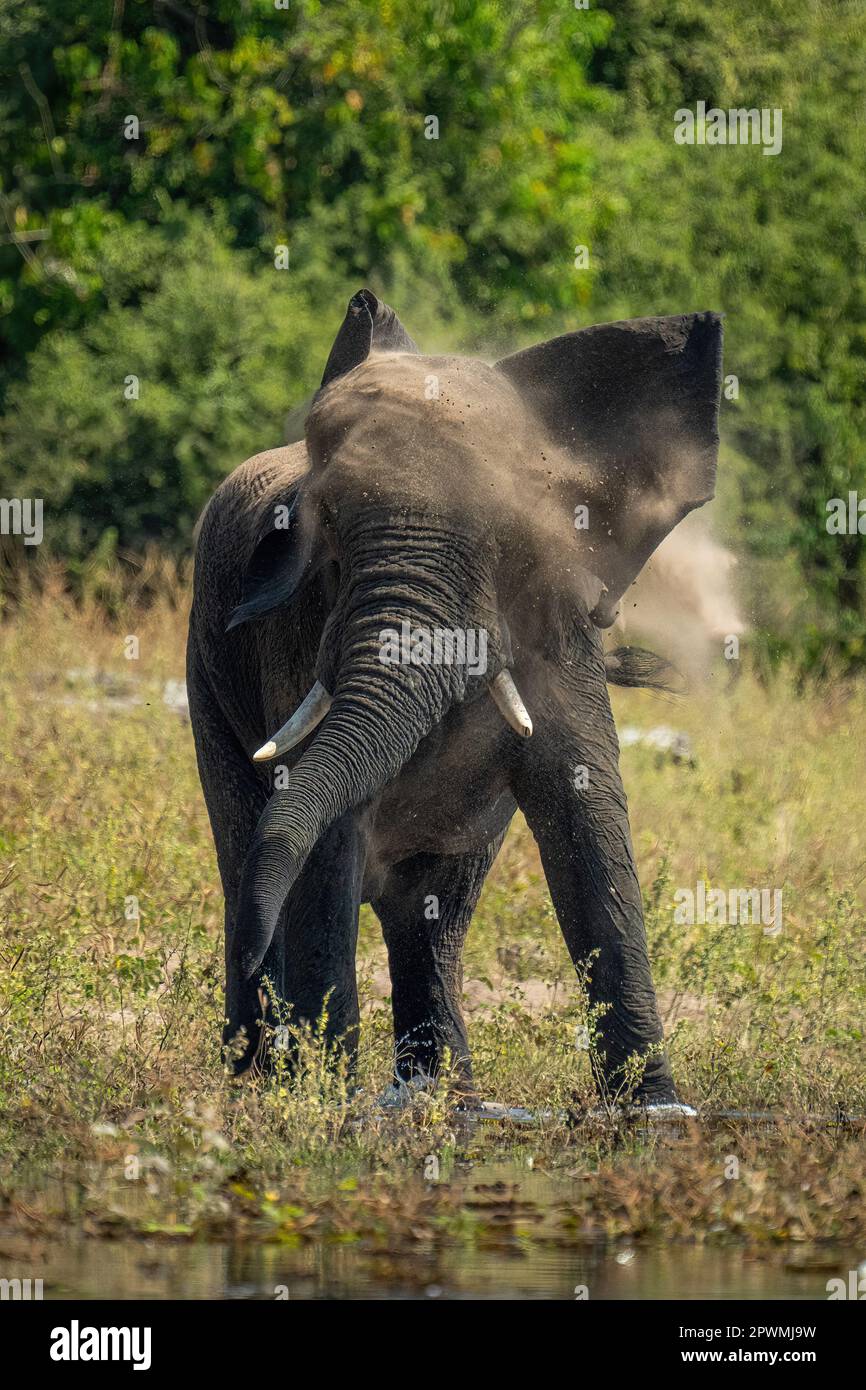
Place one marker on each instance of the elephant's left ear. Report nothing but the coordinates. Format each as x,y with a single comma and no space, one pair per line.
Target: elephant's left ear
369,325
285,557
633,407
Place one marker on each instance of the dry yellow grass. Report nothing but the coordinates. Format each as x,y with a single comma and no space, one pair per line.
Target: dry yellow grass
109,1022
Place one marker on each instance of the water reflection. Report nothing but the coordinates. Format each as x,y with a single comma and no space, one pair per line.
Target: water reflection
522,1250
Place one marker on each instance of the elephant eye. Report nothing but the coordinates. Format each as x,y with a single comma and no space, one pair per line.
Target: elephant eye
328,523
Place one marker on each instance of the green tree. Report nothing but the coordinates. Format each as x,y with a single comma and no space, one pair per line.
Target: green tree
308,127
126,426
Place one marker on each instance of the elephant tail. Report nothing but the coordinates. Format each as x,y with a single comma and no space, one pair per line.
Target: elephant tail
634,666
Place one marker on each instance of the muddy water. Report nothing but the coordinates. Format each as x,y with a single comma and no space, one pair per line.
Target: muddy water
136,1269
147,1270
521,1253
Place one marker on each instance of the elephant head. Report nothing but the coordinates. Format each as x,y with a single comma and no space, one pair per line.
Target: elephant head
443,495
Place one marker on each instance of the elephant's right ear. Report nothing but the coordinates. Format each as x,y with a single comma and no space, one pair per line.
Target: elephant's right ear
633,408
286,555
369,326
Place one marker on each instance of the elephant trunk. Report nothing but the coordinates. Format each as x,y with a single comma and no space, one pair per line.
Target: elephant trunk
378,717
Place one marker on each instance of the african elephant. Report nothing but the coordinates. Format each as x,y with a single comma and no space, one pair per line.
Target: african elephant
506,508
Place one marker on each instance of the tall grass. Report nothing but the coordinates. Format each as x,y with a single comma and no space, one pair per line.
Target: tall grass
111,983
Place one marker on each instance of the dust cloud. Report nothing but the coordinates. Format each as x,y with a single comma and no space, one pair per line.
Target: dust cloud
684,603
451,438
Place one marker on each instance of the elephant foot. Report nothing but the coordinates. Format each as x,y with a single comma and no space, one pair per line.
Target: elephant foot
654,1111
403,1092
519,1114
654,1090
516,1114
663,1110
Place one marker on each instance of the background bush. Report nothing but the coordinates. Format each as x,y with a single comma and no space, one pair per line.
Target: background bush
305,127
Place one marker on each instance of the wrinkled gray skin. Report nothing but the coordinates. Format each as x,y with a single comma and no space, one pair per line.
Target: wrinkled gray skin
455,509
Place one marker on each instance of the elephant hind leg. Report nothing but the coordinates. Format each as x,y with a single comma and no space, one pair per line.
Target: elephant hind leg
425,908
569,788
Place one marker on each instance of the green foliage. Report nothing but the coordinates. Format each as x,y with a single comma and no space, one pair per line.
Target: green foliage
778,244
166,395
306,127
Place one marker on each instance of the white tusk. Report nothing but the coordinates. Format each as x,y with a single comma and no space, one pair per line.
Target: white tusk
302,722
507,699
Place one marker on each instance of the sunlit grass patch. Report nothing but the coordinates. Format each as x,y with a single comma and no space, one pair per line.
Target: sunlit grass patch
116,1109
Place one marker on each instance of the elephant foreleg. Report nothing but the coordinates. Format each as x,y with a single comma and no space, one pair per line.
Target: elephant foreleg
320,935
425,909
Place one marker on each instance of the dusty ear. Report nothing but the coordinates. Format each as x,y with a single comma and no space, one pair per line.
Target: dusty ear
633,409
369,326
286,556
